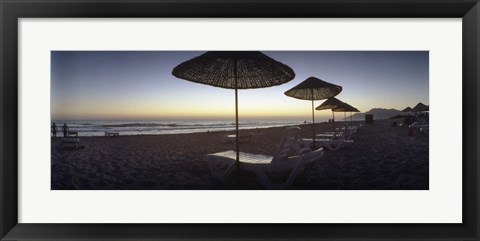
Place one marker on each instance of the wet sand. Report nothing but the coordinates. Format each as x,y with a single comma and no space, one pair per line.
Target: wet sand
382,157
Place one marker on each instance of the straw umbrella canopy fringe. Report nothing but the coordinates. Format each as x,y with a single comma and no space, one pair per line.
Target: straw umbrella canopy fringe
330,104
234,70
314,89
346,108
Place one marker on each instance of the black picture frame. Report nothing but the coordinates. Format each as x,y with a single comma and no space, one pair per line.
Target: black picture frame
12,10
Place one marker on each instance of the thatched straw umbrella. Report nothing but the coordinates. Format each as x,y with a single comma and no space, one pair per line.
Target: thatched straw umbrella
234,70
330,104
314,89
408,109
346,108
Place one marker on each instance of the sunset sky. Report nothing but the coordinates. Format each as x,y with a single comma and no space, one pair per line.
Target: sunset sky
139,85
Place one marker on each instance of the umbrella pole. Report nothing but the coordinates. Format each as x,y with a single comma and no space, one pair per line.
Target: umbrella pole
334,130
236,127
236,113
313,122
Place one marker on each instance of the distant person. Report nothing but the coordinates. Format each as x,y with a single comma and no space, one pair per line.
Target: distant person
54,130
65,129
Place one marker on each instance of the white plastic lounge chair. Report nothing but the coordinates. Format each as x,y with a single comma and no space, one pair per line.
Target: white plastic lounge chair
72,133
111,133
353,128
242,139
332,144
290,156
347,131
344,135
422,129
333,140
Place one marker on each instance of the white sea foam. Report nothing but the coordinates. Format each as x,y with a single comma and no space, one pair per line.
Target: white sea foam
98,128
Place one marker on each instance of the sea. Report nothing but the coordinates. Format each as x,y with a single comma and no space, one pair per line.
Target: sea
98,128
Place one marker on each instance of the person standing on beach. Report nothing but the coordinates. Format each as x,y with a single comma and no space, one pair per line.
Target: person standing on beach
65,129
54,130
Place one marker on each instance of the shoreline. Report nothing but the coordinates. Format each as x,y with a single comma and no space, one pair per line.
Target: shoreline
308,125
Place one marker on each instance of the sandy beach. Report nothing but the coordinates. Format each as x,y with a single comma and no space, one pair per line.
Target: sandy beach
382,157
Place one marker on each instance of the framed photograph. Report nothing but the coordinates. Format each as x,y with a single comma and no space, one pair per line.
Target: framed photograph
319,120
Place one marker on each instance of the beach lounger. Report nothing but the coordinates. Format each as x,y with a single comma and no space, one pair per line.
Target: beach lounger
348,130
242,139
335,135
290,156
71,141
332,144
422,129
344,133
72,133
111,133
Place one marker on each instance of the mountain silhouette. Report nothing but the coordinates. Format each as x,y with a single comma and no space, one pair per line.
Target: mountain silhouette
378,114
